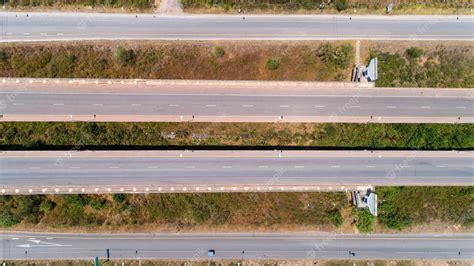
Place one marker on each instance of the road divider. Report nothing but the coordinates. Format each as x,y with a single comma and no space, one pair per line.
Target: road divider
227,118
45,190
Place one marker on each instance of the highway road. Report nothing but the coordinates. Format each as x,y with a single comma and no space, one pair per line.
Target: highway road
256,246
83,26
62,172
229,101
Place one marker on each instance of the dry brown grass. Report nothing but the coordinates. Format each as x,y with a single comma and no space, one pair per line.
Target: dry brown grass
243,60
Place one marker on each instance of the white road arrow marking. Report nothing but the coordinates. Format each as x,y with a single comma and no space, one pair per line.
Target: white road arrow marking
40,243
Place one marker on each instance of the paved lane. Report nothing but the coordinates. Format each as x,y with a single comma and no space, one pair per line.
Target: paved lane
81,26
305,246
227,101
203,171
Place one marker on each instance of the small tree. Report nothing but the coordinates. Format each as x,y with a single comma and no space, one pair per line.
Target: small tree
120,198
273,63
219,51
124,56
341,5
3,56
414,52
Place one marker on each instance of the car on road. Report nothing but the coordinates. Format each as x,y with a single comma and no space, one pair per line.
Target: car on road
211,253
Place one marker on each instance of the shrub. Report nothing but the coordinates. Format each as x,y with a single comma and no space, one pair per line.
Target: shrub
124,56
339,56
219,51
97,202
341,5
46,206
273,63
119,197
3,56
414,52
364,220
335,217
6,219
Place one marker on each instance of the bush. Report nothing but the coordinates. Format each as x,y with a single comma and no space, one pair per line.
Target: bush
364,220
3,56
414,52
341,5
98,203
124,56
219,51
120,198
6,219
340,56
273,63
46,206
335,217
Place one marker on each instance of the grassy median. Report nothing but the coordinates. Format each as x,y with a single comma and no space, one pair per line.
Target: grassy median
176,212
137,135
240,60
422,64
401,208
402,64
88,5
336,6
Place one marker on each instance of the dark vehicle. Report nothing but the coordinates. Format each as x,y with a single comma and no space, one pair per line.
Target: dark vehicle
211,253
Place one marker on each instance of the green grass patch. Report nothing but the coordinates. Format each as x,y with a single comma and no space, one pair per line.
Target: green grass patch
92,135
438,68
402,207
219,51
364,221
273,63
178,211
434,66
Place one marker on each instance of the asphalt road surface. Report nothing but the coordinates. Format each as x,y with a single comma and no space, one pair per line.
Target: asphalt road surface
81,26
227,101
250,246
38,172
